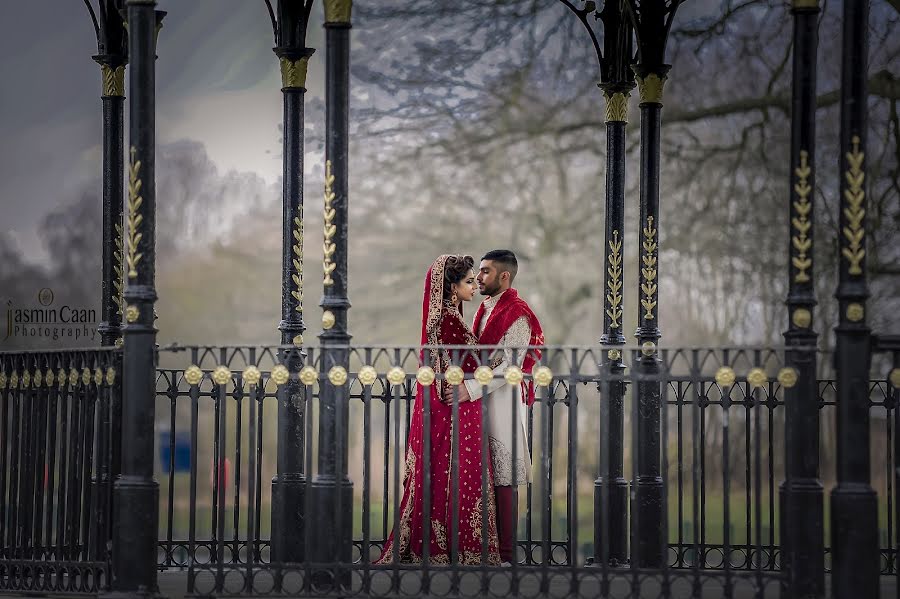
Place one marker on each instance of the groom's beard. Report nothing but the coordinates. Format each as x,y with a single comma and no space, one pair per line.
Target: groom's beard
490,291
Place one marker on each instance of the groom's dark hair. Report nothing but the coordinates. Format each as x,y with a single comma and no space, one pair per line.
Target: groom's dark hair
505,260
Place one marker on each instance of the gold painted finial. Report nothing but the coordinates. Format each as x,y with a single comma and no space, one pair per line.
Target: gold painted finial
338,11
293,72
113,80
651,88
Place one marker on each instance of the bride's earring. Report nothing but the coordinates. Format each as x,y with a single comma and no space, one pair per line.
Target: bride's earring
454,299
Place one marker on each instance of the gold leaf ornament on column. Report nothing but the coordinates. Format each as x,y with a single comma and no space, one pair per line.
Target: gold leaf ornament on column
328,246
801,223
855,211
648,269
297,261
614,283
135,219
119,281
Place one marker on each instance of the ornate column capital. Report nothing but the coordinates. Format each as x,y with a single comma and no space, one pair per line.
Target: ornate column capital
293,72
616,107
650,87
338,11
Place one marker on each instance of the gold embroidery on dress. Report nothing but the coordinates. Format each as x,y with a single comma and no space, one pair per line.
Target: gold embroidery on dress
406,516
501,458
440,535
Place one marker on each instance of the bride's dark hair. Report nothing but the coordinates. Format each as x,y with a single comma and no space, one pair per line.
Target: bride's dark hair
455,270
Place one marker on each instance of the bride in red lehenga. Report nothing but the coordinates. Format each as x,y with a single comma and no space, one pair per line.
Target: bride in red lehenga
450,281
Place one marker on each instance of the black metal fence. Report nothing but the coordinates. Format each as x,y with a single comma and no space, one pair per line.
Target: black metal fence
722,460
56,469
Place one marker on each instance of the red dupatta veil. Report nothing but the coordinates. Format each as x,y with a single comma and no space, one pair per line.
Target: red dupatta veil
442,324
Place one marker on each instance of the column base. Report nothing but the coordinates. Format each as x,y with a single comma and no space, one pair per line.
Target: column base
856,559
332,546
288,518
614,518
136,526
803,538
648,548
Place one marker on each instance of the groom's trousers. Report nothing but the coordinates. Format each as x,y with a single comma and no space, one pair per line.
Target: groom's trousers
507,520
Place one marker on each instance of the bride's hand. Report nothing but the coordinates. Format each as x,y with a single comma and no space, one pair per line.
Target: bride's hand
463,394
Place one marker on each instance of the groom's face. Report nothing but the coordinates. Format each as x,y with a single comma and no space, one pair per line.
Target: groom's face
488,278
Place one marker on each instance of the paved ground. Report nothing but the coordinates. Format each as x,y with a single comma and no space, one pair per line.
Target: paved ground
174,585
498,583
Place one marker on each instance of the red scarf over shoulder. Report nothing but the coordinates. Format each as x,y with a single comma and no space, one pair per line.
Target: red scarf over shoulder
508,310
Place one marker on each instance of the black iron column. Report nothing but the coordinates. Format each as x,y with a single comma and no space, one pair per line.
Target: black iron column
802,494
289,484
617,81
651,22
854,509
136,493
333,499
112,56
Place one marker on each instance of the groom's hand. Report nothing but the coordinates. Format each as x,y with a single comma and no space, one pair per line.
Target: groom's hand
463,394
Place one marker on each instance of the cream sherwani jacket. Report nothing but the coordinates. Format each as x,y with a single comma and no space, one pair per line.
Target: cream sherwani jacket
505,410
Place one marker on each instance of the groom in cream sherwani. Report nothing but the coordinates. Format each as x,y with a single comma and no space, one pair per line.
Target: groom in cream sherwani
504,319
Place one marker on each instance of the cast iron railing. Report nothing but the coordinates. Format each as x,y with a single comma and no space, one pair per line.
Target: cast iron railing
723,456
56,469
697,444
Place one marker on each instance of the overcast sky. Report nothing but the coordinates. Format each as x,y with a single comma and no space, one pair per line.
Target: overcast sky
217,82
